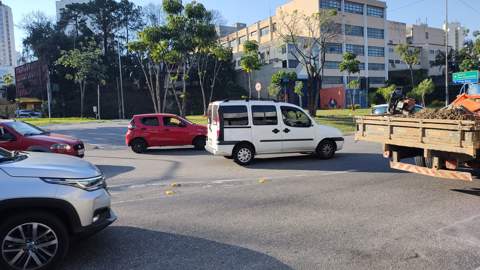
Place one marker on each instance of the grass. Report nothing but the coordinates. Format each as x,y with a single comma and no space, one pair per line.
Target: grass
53,121
341,119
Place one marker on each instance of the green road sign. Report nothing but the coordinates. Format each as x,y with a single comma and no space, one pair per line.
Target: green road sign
466,77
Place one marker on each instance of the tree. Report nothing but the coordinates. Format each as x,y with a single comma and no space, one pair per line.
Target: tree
273,90
426,87
386,92
299,91
307,38
250,61
8,79
284,80
85,64
130,18
351,65
411,57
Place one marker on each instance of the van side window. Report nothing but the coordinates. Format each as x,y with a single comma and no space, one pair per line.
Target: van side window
150,121
264,115
294,117
234,115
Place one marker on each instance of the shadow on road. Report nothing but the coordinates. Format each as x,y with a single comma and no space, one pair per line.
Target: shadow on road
183,151
472,191
114,170
359,162
133,248
111,136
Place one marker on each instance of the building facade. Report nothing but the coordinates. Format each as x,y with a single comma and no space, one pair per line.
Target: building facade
456,35
8,55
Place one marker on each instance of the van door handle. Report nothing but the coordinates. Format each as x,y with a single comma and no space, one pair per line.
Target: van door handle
275,131
286,130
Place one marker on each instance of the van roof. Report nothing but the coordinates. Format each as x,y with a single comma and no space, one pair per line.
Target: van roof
251,102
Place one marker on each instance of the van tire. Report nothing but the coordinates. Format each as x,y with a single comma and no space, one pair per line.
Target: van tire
44,220
243,154
326,149
139,146
199,143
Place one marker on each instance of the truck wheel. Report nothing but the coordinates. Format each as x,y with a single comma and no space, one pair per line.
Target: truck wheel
139,146
199,143
326,149
32,241
243,154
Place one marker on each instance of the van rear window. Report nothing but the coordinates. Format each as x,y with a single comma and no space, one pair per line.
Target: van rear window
234,116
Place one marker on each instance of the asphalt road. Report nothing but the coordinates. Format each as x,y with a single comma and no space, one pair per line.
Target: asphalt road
283,212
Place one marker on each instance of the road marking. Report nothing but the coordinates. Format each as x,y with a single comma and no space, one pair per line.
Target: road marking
226,183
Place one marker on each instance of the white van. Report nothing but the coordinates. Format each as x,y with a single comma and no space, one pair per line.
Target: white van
243,129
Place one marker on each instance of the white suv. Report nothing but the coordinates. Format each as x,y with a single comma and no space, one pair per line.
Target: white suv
45,200
243,129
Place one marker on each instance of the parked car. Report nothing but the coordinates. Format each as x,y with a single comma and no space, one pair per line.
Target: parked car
383,109
150,130
21,136
243,129
46,200
27,114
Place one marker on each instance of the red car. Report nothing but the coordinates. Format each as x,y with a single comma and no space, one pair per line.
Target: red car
21,136
149,130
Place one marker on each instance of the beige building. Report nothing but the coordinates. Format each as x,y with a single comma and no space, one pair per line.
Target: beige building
364,32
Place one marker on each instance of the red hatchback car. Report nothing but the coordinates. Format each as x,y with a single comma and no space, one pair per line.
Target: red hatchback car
150,130
21,136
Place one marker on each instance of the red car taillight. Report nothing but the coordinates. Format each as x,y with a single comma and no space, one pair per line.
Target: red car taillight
131,127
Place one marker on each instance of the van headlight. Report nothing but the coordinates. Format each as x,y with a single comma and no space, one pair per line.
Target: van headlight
88,184
60,146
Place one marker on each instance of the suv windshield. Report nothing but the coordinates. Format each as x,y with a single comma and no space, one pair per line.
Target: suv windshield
25,129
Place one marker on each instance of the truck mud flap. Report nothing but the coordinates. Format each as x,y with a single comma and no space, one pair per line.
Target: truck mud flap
454,175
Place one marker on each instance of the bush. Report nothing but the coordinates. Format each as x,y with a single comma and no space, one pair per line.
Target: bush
437,104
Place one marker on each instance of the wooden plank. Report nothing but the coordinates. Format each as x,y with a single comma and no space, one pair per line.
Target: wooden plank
424,125
433,121
453,175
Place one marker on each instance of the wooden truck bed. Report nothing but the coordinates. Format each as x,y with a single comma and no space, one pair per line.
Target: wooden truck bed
456,136
446,143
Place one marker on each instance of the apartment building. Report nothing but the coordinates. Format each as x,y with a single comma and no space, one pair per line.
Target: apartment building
8,55
456,35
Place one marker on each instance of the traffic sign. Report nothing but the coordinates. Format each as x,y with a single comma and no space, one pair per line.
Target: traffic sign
258,86
466,77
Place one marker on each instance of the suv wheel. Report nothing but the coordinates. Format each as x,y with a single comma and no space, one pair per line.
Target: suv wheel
243,154
199,143
326,149
32,241
139,146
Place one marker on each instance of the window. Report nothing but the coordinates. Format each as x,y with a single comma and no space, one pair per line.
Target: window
293,63
432,51
375,33
397,61
173,122
274,27
254,33
376,51
356,49
377,80
294,117
241,40
353,30
335,48
6,135
331,64
361,66
375,11
234,115
264,31
352,7
391,50
264,115
332,79
331,4
150,121
376,66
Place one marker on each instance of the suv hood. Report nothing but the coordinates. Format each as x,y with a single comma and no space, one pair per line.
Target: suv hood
50,165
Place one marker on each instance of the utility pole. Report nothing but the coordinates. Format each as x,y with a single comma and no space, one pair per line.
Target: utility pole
121,81
447,99
49,95
98,102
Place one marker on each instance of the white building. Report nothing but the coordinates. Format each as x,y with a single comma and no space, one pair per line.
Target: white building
8,55
456,35
61,4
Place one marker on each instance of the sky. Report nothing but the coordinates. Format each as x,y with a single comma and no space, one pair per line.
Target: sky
432,12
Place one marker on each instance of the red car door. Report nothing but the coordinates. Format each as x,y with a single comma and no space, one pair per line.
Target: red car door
9,140
151,130
175,131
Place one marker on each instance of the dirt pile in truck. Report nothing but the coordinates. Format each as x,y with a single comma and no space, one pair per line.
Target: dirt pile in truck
445,113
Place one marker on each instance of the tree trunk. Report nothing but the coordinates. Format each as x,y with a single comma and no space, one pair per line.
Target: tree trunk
82,97
249,85
184,91
411,77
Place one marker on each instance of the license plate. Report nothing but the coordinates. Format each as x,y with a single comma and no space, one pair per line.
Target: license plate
81,152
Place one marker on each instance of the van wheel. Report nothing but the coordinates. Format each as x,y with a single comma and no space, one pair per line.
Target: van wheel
139,146
326,149
32,241
199,143
243,154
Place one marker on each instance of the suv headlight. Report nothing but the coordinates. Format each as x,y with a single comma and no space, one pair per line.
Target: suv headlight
60,146
88,184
